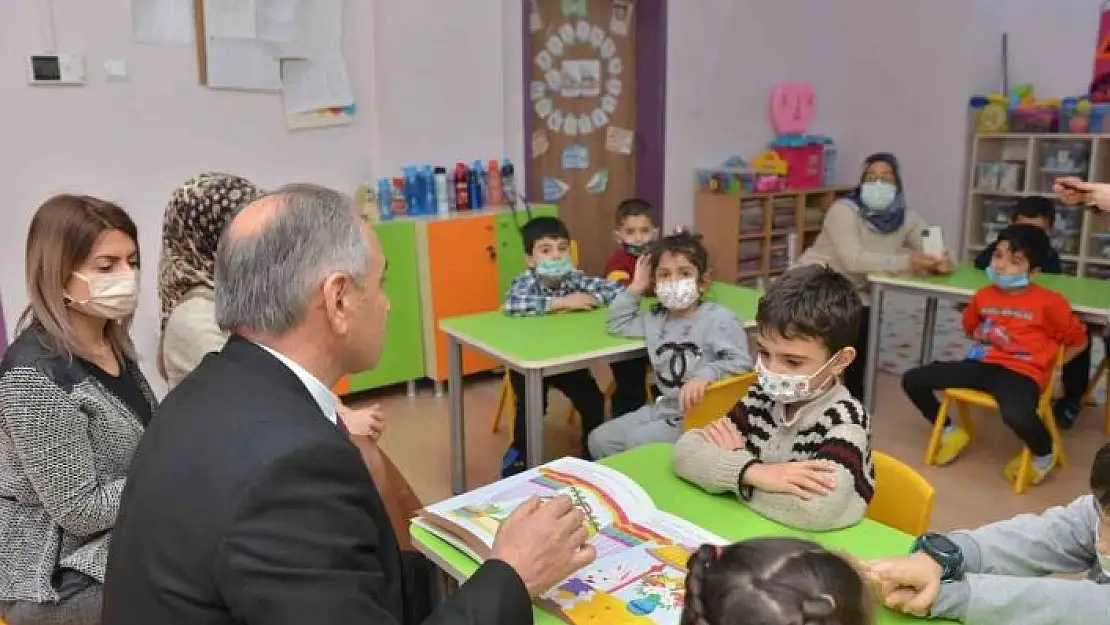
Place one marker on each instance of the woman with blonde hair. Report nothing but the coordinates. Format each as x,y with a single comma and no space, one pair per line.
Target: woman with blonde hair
73,405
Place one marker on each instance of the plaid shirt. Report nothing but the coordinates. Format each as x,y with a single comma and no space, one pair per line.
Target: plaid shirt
529,296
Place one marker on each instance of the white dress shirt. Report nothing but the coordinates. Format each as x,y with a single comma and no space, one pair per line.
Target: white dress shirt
326,399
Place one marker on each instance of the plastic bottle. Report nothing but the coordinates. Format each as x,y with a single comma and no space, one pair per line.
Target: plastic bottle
413,196
493,183
441,204
451,206
462,192
508,180
428,180
475,182
400,202
367,199
385,199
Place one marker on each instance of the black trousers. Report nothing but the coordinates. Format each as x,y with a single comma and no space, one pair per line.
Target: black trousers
1077,373
853,375
631,391
582,391
1017,395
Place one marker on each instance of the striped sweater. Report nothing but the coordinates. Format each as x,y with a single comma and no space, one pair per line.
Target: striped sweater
833,427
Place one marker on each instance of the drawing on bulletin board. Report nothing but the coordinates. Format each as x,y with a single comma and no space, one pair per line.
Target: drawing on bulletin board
639,577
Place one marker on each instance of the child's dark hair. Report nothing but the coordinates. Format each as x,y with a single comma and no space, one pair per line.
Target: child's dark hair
681,243
811,301
773,581
1100,478
1035,207
542,228
633,208
1030,241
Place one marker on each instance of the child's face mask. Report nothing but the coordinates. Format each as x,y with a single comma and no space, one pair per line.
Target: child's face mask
554,268
677,294
1008,281
792,388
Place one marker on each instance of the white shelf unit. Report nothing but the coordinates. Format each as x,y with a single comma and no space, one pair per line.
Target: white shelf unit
1082,235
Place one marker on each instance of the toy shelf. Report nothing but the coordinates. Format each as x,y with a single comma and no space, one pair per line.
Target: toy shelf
752,237
1004,167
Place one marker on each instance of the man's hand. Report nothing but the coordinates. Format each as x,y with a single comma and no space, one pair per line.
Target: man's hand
641,279
802,479
1072,191
723,433
544,542
368,421
575,301
907,584
691,393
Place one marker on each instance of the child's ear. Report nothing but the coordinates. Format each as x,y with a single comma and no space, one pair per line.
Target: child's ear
844,359
617,236
530,259
705,279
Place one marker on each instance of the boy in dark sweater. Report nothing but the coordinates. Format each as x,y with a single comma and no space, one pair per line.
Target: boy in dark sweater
634,232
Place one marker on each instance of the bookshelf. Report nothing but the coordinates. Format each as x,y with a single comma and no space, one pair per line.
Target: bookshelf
752,237
1004,167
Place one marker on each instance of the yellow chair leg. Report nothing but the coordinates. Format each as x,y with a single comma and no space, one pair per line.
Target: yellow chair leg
938,428
1045,412
1025,467
503,398
963,411
1093,384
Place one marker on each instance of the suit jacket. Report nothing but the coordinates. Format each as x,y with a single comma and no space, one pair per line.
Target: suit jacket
246,505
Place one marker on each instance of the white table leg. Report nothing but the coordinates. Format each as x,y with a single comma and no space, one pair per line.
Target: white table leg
458,436
410,388
929,330
533,416
874,323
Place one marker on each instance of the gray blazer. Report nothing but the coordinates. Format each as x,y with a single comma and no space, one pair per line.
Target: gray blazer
66,443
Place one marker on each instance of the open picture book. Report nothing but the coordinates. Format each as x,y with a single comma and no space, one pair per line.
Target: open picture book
640,572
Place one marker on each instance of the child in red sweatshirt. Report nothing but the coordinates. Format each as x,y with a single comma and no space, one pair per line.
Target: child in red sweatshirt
634,231
1018,328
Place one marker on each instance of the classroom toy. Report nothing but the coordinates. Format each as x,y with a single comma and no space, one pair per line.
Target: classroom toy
732,177
770,170
793,106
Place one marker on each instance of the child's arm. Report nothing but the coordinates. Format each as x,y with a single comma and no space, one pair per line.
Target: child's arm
1065,327
970,319
725,351
526,298
624,317
1027,600
844,451
600,288
714,469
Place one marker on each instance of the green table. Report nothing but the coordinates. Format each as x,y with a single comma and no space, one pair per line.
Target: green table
1089,297
723,515
546,345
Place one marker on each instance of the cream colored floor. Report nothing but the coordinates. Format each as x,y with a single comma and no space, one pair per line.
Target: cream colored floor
970,492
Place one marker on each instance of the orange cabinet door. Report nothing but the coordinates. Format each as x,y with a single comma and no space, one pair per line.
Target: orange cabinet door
462,262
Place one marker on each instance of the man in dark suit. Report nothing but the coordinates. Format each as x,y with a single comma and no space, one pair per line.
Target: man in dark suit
245,502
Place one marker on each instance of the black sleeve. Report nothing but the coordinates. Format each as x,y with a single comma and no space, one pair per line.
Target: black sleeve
303,548
984,257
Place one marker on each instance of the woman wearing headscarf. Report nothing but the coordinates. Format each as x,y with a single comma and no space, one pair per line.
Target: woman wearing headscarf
871,229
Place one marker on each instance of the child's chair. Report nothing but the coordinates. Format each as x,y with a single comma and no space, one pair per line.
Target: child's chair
903,499
963,397
720,397
1100,373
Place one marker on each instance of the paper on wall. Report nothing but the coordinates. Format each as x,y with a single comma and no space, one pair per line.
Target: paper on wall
230,19
277,20
319,31
166,22
310,84
248,64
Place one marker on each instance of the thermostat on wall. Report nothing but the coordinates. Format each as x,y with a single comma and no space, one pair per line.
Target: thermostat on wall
55,69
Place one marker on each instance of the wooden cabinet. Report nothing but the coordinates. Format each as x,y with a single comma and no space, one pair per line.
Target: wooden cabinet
403,355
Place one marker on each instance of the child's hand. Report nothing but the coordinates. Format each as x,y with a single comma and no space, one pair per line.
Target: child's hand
369,421
691,393
802,479
576,301
944,266
723,433
641,279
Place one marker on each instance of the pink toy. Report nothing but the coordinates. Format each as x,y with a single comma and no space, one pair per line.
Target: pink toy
793,105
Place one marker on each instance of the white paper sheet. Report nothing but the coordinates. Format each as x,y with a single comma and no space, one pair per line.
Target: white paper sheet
277,20
231,19
248,64
164,22
319,31
307,85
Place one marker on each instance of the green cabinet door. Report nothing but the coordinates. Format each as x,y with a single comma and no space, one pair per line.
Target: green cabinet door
403,355
510,249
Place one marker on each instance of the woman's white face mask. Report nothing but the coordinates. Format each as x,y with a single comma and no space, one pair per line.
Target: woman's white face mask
111,295
878,195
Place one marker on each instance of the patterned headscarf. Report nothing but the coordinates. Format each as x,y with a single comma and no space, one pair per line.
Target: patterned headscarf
196,216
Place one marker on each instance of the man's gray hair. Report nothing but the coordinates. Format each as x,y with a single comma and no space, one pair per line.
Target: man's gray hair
266,278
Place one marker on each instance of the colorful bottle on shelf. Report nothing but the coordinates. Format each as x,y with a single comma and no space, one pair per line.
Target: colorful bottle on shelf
428,186
493,184
442,205
400,202
475,184
462,191
413,196
385,199
508,180
367,199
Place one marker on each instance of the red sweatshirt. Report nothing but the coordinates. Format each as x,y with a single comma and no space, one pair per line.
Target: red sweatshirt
620,267
1022,331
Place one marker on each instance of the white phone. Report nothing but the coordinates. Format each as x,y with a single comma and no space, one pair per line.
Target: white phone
932,242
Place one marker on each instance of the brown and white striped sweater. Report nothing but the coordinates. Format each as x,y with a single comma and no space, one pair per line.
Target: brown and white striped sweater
833,427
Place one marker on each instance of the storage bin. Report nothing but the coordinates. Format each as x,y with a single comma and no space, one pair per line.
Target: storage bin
751,218
1011,176
989,175
807,165
1100,118
751,250
1100,245
1101,272
724,180
1034,119
998,210
1066,242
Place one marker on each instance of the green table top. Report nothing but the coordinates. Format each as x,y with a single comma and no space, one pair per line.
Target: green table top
548,340
1087,295
649,466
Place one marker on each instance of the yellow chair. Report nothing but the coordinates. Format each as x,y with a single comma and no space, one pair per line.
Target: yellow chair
1103,368
720,397
963,397
903,499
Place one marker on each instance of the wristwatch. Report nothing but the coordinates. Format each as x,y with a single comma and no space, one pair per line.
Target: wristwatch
944,552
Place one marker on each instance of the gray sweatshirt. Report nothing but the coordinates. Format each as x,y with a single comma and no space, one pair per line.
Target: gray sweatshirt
1006,564
709,343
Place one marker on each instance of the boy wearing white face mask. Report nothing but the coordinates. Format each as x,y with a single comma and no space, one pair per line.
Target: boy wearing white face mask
690,343
797,448
1004,572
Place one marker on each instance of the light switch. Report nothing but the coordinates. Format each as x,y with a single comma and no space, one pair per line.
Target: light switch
116,69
